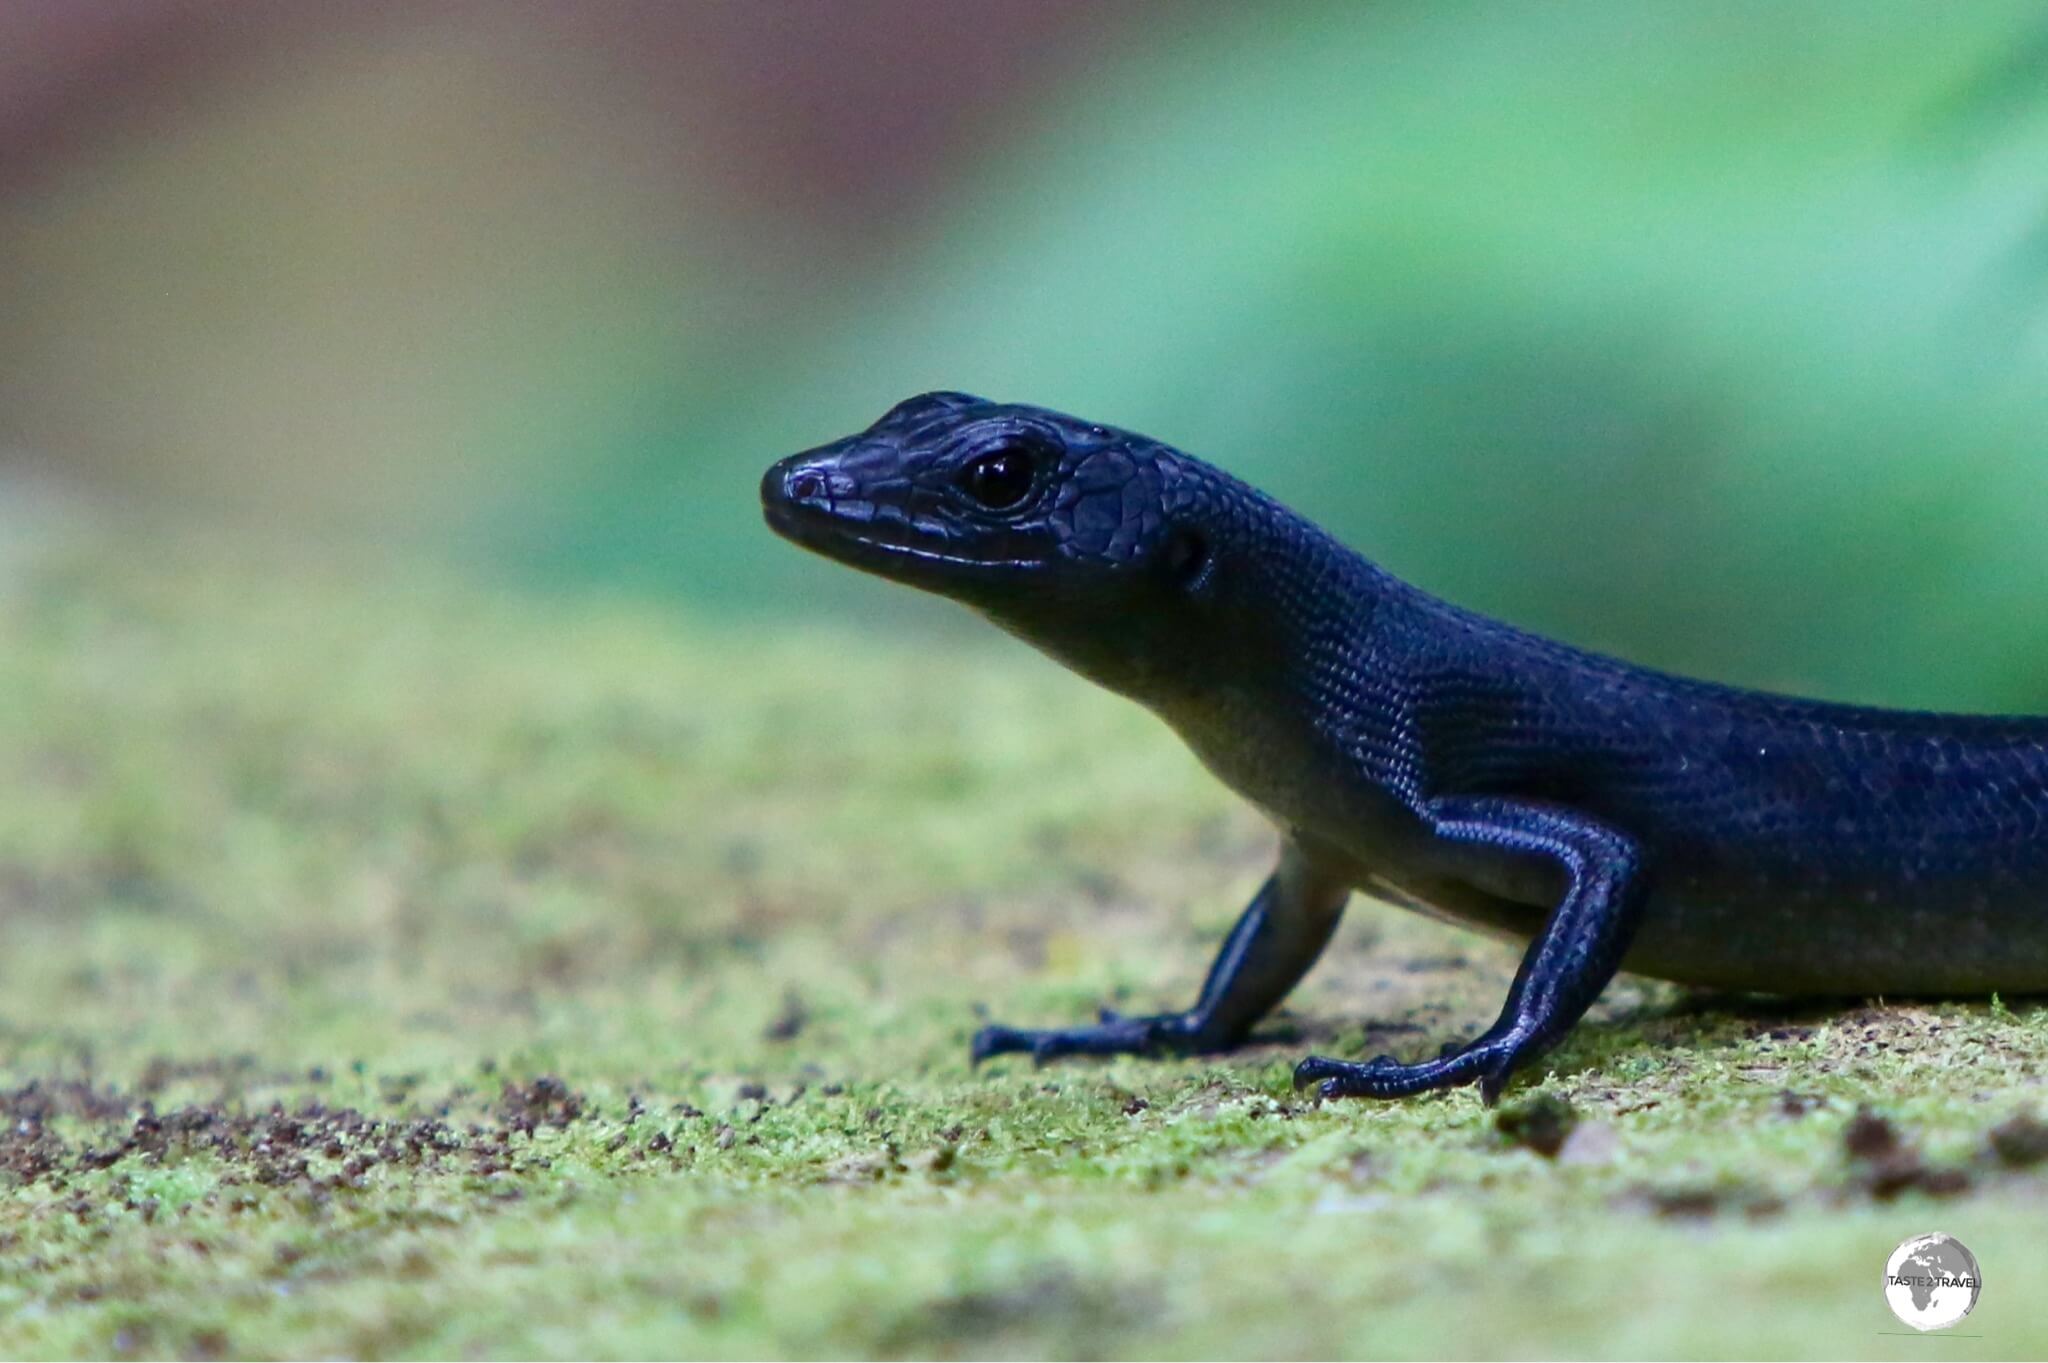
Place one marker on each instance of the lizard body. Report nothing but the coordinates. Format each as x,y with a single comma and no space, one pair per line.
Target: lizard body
1610,815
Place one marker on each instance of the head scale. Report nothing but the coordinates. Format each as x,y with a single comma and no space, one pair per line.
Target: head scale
1095,544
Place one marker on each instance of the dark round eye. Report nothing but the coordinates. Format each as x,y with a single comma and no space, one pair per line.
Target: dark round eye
999,479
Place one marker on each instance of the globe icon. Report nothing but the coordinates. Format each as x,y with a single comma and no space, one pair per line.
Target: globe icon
1931,1281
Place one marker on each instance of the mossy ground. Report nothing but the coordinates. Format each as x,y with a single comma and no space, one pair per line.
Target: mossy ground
391,967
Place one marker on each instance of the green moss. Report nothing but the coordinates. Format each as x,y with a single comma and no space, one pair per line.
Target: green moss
390,968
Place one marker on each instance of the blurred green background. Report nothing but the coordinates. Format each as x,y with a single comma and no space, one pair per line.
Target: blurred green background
421,732
1709,334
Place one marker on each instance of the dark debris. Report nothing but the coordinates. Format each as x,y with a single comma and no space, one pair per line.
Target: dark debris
545,1101
2020,1142
1795,1104
1540,1124
1888,1165
790,1021
53,1132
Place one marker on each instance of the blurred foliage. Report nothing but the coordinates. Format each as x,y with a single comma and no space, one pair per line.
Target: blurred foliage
1710,334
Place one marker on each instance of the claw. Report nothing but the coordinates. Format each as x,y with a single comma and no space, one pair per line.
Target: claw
1116,1034
1488,1063
994,1040
1313,1068
1494,1082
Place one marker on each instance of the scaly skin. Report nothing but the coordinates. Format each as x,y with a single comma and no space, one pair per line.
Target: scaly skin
1610,815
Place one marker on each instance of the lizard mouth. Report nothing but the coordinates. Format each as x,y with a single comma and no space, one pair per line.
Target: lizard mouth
873,546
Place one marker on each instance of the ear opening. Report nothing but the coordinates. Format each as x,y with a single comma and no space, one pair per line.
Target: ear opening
1188,559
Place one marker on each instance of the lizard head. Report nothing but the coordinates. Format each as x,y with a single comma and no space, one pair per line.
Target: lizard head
1089,542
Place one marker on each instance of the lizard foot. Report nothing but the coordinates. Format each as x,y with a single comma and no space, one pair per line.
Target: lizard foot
1161,1033
1486,1062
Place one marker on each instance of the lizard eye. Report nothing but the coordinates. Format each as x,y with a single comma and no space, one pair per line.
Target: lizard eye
999,479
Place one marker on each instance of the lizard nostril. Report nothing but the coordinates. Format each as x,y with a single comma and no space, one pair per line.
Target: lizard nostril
806,486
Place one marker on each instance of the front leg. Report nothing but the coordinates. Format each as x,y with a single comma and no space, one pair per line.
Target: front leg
1276,940
1566,967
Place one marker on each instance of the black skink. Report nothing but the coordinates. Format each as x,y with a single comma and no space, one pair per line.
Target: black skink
1610,815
